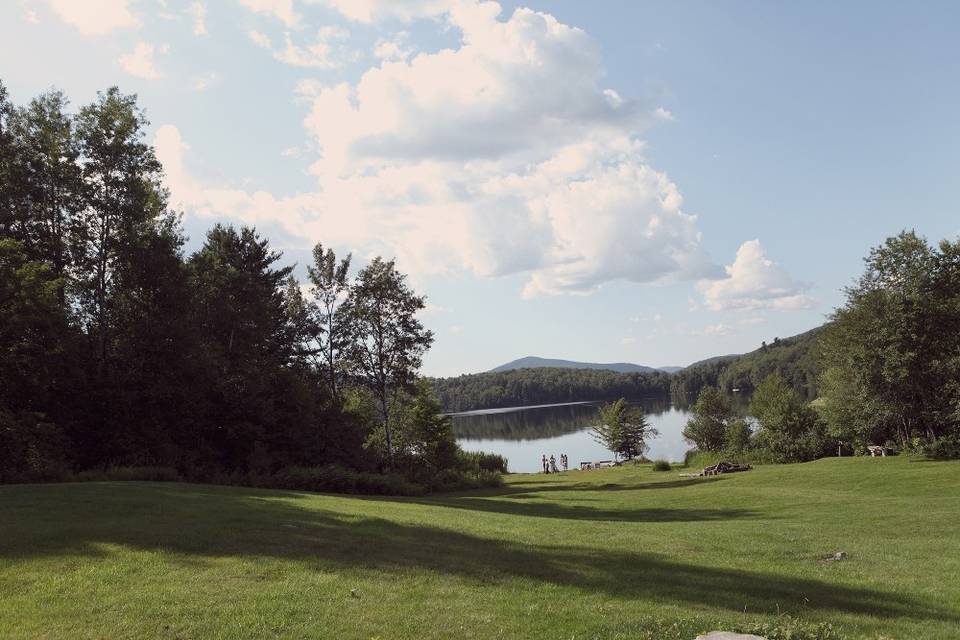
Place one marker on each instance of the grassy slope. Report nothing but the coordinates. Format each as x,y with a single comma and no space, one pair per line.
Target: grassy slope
593,554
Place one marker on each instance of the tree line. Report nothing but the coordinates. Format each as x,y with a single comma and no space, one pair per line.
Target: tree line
885,370
545,385
795,358
118,349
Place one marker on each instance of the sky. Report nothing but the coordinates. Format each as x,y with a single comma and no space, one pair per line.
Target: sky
650,182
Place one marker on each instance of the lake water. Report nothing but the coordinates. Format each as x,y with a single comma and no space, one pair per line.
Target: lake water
523,434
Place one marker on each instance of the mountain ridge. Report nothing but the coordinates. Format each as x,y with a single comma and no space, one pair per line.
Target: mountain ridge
536,362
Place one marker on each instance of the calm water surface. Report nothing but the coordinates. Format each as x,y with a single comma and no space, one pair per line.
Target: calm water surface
523,434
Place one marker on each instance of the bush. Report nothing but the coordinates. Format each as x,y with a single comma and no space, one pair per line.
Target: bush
31,449
945,447
661,465
457,480
336,479
481,461
142,474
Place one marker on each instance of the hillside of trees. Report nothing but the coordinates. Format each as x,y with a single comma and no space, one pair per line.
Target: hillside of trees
796,359
546,385
119,350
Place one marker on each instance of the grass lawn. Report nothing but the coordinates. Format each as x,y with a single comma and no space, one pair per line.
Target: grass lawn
619,553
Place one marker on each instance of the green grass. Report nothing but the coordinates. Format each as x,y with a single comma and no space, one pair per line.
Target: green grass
624,553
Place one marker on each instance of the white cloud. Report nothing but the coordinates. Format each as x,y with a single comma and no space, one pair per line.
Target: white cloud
754,282
29,15
198,12
262,40
405,10
503,155
396,49
716,330
627,340
455,329
663,114
95,17
325,52
140,62
290,152
203,82
282,10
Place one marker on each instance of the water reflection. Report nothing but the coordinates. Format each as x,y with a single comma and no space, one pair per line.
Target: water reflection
523,434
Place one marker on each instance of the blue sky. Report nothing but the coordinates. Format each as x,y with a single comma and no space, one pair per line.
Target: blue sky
617,181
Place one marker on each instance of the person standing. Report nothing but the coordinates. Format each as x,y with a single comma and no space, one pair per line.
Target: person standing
553,464
546,469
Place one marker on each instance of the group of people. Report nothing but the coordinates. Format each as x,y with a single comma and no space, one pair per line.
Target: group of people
550,465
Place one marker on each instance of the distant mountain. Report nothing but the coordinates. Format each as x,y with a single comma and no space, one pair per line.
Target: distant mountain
533,362
714,359
670,369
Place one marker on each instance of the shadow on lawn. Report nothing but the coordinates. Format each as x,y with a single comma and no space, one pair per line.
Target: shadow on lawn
523,500
201,523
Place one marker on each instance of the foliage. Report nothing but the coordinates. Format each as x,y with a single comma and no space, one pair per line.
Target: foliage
385,340
330,281
481,461
707,428
623,429
892,353
944,448
661,465
545,385
336,479
737,436
790,429
795,358
119,354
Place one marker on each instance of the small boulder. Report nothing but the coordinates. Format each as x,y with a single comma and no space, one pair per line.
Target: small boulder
729,635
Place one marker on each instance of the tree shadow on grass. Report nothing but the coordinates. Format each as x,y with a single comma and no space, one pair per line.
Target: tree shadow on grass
526,500
194,524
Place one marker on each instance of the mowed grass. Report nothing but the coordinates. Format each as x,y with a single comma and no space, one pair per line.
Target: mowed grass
623,552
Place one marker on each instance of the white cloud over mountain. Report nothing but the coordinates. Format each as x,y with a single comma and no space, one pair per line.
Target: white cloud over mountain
755,282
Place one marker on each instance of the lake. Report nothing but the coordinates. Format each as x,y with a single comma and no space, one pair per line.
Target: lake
523,434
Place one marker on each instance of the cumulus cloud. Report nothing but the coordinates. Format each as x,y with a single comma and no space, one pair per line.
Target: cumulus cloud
282,10
326,51
395,49
405,10
754,282
503,155
95,17
140,62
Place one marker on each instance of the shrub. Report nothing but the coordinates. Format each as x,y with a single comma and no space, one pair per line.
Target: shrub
661,465
124,474
481,461
336,479
945,447
457,480
31,449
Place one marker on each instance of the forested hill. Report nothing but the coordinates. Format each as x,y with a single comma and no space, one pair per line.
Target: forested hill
794,358
545,385
533,362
